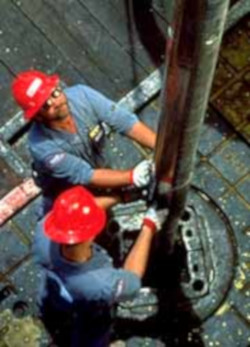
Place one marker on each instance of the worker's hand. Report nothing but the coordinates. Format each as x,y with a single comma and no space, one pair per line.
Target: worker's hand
141,174
165,186
154,219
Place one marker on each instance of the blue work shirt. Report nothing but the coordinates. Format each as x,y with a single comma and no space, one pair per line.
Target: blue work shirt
63,159
91,289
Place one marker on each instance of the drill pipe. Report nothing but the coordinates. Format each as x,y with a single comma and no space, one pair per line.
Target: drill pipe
191,55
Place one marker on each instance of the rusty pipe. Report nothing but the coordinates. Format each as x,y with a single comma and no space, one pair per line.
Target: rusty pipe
191,54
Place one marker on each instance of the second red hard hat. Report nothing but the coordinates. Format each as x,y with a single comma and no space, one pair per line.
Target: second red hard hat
75,217
31,89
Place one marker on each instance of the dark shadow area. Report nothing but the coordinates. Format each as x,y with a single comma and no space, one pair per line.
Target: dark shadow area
58,323
65,321
151,35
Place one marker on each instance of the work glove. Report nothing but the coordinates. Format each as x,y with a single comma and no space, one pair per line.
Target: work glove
154,219
165,186
141,174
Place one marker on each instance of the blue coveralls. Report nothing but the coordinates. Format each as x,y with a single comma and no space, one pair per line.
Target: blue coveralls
85,292
63,159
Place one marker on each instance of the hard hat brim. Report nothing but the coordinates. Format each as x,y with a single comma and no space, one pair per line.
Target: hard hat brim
47,90
71,237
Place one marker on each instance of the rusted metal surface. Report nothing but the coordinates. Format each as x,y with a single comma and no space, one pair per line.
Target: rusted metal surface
197,33
17,198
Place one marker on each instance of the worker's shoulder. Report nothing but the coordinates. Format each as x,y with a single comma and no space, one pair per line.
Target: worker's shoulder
105,278
40,143
111,284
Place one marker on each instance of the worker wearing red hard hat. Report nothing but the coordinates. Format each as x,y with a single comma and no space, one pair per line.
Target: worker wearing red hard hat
80,285
69,128
32,89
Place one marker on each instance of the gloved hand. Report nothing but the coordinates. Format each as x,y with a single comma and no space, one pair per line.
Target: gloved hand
140,175
154,219
165,186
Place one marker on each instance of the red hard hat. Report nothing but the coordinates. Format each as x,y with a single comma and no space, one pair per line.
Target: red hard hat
31,89
75,217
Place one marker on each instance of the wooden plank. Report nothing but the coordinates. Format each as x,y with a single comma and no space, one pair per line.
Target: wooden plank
12,249
7,105
78,34
156,6
8,179
55,25
23,46
118,63
13,124
117,25
14,161
137,28
22,150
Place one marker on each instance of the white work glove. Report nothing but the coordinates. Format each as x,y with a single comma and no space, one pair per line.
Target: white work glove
141,174
154,219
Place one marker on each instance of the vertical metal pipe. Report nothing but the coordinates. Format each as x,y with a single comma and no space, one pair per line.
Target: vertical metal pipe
191,57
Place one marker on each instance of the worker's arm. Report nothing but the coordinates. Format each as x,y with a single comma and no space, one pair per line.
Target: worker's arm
110,178
137,258
138,176
142,134
107,202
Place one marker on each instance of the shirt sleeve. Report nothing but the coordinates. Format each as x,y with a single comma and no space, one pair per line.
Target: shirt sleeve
120,286
108,111
106,285
66,166
127,286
